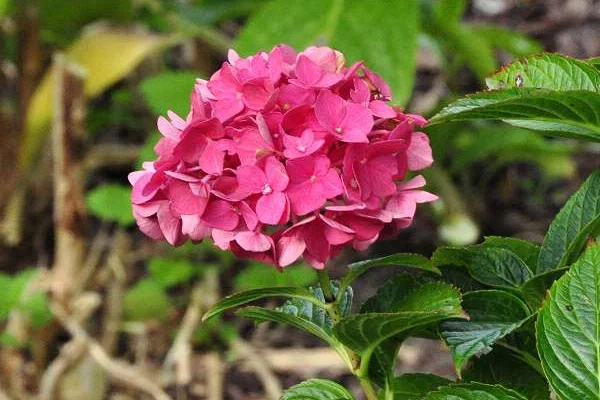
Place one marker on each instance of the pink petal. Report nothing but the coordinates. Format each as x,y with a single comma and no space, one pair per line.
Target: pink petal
276,174
381,109
183,201
253,241
289,249
248,215
149,226
330,110
357,123
251,179
192,226
419,152
170,225
255,95
168,130
270,208
212,158
227,108
220,214
307,71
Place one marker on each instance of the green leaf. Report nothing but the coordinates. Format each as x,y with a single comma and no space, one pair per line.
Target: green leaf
409,260
168,272
260,314
450,10
568,331
415,386
571,114
111,202
35,306
389,294
383,34
577,220
517,44
365,333
493,315
503,368
146,301
258,275
595,62
317,389
491,266
474,391
239,299
526,251
535,290
12,289
547,71
169,91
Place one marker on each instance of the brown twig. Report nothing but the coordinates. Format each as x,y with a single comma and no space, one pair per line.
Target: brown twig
255,361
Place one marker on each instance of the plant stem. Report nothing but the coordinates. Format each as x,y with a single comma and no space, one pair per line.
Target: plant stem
326,285
368,388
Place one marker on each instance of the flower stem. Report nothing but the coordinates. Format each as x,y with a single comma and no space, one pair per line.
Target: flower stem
368,388
325,285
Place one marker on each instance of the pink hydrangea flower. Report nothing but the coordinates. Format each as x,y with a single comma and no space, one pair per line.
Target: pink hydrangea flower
284,155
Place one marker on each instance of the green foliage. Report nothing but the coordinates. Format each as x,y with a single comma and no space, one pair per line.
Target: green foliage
169,91
576,221
568,330
415,386
474,391
502,367
258,275
493,315
168,272
111,202
549,93
20,293
383,34
515,43
317,389
242,298
526,251
146,300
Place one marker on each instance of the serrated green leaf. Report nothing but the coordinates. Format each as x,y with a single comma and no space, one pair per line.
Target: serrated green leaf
317,389
535,289
568,331
547,71
517,44
491,266
526,251
503,368
415,386
577,220
169,91
258,275
409,260
474,391
146,301
389,294
383,34
493,315
111,202
169,272
595,62
239,299
571,114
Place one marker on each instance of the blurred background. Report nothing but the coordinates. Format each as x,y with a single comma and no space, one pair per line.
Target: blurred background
89,308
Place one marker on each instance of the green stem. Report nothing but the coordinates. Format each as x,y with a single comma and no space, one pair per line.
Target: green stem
326,285
368,388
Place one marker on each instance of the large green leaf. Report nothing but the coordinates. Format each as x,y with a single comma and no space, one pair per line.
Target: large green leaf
169,91
317,389
239,299
577,220
568,331
257,275
547,71
409,260
111,202
493,315
493,266
146,300
570,113
365,333
168,272
474,391
383,34
534,291
526,251
502,367
415,386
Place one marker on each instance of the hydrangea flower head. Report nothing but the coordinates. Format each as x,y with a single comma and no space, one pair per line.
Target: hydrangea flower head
284,155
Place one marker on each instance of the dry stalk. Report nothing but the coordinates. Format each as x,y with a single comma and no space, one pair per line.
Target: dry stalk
69,209
259,365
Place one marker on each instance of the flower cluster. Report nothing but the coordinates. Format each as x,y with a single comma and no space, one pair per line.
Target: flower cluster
284,155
